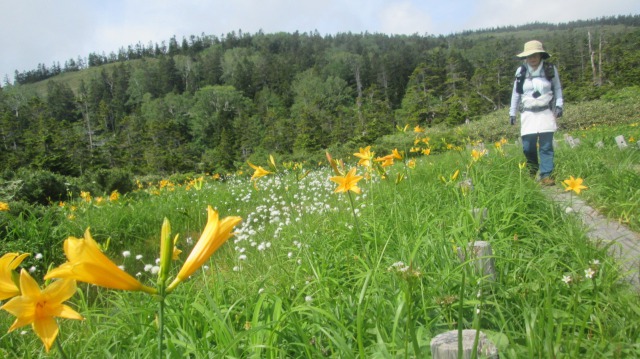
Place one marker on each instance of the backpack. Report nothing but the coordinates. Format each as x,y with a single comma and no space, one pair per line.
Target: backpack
549,73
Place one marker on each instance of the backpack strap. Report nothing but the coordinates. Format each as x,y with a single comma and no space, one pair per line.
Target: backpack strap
549,71
520,77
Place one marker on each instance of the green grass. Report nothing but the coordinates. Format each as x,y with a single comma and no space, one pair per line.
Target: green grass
316,283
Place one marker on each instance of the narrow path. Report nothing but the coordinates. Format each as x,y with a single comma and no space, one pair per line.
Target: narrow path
626,246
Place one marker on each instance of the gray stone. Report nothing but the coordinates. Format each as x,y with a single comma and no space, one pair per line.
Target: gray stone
445,345
622,144
570,140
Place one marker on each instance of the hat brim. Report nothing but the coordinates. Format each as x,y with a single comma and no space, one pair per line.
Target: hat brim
523,55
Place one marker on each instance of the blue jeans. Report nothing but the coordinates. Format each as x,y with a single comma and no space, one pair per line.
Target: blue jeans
530,149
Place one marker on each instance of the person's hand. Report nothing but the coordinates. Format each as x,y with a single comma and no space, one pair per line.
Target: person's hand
512,120
558,112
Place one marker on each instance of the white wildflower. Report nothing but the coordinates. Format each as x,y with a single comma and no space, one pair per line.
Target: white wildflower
589,273
126,254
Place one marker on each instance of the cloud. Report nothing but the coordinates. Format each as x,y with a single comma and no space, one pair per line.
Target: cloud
404,17
494,13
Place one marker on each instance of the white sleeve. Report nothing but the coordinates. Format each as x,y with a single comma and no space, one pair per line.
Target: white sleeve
557,88
515,96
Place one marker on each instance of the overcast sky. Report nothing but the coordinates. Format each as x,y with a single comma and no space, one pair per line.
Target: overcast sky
44,31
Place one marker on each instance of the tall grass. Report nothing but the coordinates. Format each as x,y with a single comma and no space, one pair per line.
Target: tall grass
296,282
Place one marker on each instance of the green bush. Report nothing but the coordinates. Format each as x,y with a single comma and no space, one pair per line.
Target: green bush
40,186
109,180
631,93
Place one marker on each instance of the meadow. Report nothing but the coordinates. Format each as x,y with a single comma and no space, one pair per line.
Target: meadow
314,273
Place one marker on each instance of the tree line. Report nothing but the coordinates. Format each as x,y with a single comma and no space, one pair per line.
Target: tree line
209,104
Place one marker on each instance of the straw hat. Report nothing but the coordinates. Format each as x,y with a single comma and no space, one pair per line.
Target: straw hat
533,47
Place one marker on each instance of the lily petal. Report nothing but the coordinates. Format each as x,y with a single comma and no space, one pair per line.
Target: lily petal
215,233
86,263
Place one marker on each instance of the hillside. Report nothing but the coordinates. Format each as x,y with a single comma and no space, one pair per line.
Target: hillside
210,104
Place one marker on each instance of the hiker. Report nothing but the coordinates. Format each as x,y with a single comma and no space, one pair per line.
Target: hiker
537,94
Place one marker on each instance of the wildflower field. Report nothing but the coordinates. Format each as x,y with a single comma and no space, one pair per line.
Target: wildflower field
357,257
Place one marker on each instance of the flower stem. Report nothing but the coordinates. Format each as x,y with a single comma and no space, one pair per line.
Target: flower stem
161,320
355,219
63,355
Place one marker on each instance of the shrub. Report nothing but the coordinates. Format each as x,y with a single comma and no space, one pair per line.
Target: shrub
109,180
40,186
631,93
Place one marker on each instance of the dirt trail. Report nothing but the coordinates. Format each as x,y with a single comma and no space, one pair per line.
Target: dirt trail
626,246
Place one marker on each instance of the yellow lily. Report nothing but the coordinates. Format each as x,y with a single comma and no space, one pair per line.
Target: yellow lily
4,206
574,184
348,182
477,154
386,160
365,155
86,263
272,163
259,171
9,262
40,307
114,196
215,233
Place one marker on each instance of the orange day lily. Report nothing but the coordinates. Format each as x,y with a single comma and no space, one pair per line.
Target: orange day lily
215,233
40,307
348,182
86,263
9,262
